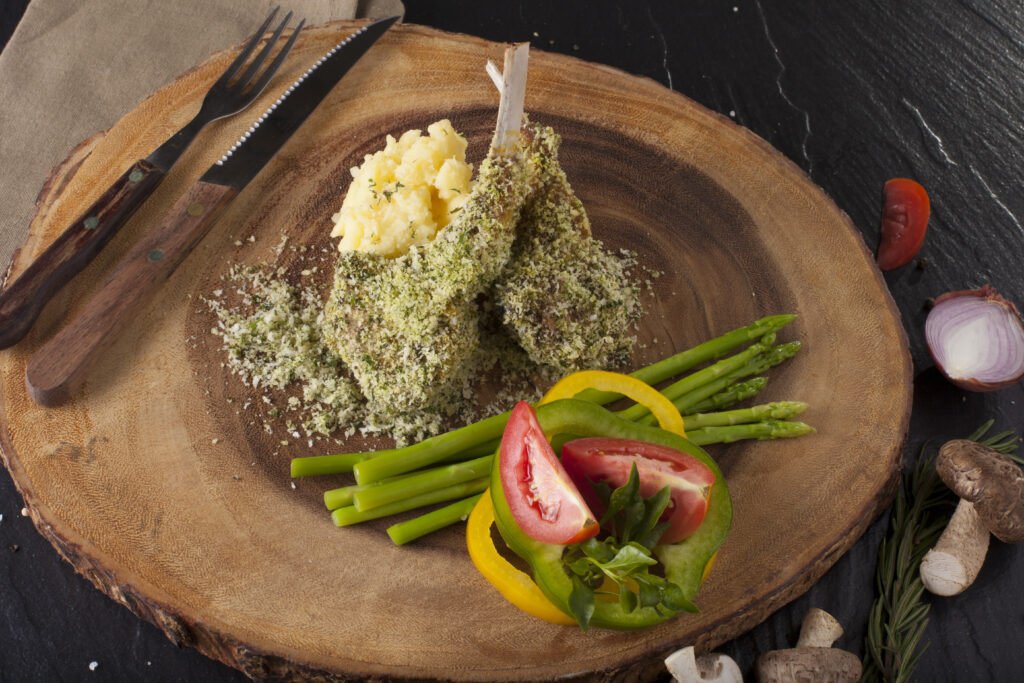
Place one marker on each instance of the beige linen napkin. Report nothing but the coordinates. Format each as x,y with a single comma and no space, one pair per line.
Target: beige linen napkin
75,67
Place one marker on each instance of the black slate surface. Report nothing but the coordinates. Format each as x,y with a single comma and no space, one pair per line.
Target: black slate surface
854,93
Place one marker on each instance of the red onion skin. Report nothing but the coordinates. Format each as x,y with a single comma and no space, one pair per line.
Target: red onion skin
970,384
985,291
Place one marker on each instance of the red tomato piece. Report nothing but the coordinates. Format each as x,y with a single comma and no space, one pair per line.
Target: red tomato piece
904,222
543,499
610,460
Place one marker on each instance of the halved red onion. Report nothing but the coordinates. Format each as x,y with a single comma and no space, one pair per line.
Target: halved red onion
976,338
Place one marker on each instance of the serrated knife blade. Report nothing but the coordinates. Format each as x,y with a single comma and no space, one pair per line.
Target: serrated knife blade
271,130
60,365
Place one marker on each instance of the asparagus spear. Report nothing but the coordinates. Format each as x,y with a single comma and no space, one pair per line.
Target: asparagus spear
456,441
345,495
686,360
709,374
731,395
686,401
684,404
314,465
707,382
370,497
411,529
770,429
340,497
347,515
778,410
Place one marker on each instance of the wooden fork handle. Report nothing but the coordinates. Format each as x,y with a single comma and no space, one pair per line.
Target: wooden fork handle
23,300
57,368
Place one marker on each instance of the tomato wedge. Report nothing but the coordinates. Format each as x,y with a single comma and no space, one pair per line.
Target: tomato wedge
543,499
904,222
610,460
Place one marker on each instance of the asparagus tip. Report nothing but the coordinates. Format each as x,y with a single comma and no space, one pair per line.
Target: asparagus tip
777,321
785,429
787,409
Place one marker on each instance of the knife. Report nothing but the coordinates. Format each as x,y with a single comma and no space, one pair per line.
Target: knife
60,365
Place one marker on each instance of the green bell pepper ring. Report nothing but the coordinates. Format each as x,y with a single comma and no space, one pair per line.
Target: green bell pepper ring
684,562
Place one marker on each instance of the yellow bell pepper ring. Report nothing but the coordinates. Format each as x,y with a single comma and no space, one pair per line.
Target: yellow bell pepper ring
641,392
514,585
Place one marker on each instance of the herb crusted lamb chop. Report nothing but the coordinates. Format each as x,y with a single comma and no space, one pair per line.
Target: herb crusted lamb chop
408,327
405,326
565,299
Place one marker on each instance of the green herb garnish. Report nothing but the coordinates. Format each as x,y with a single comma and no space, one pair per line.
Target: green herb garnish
624,556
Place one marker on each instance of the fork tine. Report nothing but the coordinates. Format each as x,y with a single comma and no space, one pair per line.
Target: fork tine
257,62
249,47
272,69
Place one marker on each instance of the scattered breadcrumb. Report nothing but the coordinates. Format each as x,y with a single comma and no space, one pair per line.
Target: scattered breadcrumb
271,332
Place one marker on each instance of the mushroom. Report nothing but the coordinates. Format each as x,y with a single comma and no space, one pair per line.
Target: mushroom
715,667
813,658
991,491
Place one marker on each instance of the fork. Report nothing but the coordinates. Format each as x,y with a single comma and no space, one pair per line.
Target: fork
23,300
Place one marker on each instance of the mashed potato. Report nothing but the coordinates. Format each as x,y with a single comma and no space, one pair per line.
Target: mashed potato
402,195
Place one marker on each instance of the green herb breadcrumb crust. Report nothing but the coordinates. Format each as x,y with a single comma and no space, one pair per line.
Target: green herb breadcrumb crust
565,299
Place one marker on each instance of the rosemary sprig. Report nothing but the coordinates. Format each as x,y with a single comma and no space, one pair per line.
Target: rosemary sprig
899,614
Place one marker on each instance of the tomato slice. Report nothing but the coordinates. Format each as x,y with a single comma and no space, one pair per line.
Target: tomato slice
610,460
543,499
904,222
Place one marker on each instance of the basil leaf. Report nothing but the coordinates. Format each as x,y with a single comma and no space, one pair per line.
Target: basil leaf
627,599
625,555
603,491
650,594
581,603
673,598
599,551
654,535
623,496
632,518
629,558
581,567
655,507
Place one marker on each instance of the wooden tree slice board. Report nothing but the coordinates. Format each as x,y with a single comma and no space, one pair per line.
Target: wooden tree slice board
175,502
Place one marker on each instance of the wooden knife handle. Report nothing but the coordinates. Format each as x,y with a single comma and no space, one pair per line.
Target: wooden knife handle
23,300
63,362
